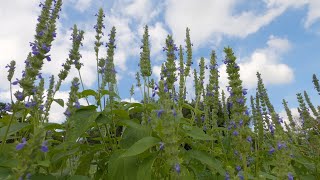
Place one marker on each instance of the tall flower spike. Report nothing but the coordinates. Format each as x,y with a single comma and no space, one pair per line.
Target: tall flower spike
11,70
145,65
189,52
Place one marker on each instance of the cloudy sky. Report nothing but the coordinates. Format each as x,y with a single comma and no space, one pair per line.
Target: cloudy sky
278,38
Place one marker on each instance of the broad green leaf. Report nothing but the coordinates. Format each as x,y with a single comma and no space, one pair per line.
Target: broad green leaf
52,126
145,168
141,146
4,173
122,168
45,163
85,164
197,133
13,129
59,101
204,158
87,92
81,121
267,175
121,113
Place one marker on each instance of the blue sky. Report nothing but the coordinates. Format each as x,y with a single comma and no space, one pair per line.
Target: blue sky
279,38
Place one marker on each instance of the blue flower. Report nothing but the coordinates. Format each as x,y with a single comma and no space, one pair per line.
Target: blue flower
227,176
271,129
244,91
290,176
16,81
238,168
8,107
161,145
67,113
77,105
159,112
21,145
271,151
19,95
177,168
281,145
240,122
48,58
45,48
249,139
240,100
235,133
44,147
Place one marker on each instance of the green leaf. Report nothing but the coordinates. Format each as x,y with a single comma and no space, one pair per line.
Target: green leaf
267,175
145,168
204,158
80,122
141,146
13,129
85,163
197,133
121,113
59,101
122,168
87,92
78,177
106,92
45,163
43,176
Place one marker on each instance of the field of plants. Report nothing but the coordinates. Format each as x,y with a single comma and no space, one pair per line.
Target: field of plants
214,136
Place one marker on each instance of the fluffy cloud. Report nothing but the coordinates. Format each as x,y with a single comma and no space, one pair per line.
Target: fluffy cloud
18,20
212,19
267,61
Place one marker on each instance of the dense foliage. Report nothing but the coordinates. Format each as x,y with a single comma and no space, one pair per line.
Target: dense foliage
164,137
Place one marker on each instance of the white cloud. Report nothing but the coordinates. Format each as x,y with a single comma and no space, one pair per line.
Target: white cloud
209,20
267,61
158,35
141,10
132,100
18,20
81,5
212,19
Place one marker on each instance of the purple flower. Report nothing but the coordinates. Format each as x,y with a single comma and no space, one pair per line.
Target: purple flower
177,168
44,147
75,84
54,34
48,58
271,151
247,112
161,145
249,139
240,100
290,176
77,104
16,81
174,112
21,145
8,107
240,122
19,95
238,168
235,133
227,176
271,129
159,112
244,91
31,104
281,145
236,66
240,176
67,113
45,48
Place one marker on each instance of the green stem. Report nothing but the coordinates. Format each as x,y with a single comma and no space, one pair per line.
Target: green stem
7,131
82,85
